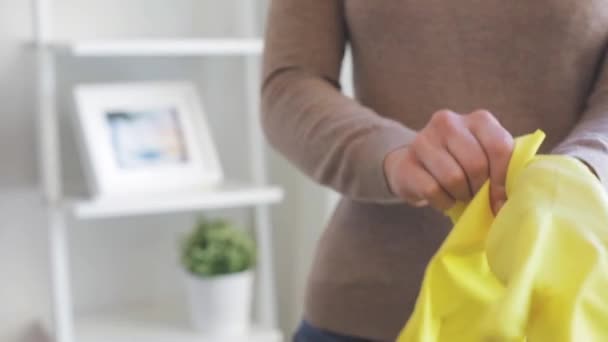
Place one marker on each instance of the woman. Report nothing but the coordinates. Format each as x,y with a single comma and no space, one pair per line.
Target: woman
442,87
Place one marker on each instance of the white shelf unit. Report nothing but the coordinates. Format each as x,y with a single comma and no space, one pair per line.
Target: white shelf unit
228,196
154,324
160,47
138,325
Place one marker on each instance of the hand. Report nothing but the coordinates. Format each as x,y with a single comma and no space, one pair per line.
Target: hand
450,159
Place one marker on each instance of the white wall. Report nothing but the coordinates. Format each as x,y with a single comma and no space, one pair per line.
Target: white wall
118,261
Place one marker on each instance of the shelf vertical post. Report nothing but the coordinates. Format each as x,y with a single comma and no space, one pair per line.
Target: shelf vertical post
265,289
42,20
49,163
60,276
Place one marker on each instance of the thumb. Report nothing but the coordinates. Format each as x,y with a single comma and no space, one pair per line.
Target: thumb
499,165
498,145
498,196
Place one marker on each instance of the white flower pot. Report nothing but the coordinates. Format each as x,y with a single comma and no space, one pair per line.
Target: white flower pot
220,305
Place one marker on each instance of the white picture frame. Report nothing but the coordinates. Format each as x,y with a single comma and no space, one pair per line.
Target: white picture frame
144,138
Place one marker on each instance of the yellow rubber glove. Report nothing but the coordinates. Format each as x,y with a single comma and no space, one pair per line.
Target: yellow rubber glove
538,272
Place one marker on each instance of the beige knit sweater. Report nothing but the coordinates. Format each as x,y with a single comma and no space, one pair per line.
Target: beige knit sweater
534,64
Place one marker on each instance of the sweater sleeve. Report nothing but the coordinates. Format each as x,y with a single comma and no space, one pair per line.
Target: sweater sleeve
330,137
588,141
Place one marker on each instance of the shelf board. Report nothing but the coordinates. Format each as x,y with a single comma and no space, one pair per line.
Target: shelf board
224,196
161,47
154,325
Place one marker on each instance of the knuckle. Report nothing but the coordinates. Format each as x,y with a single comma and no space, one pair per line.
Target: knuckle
444,118
455,179
443,112
501,147
483,115
478,168
421,139
477,164
430,191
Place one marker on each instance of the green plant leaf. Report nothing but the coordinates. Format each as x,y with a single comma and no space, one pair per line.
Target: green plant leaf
216,248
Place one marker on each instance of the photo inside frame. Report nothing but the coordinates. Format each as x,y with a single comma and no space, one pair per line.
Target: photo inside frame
146,138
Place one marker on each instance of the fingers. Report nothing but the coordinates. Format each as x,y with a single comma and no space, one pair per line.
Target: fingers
440,164
497,144
428,188
419,188
427,191
472,159
450,159
464,149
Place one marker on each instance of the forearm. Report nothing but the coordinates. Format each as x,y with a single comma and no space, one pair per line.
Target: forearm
331,138
589,139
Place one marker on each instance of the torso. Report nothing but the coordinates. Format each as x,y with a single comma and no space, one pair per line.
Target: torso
531,63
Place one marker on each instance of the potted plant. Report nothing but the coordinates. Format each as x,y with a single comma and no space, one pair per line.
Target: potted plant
218,259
